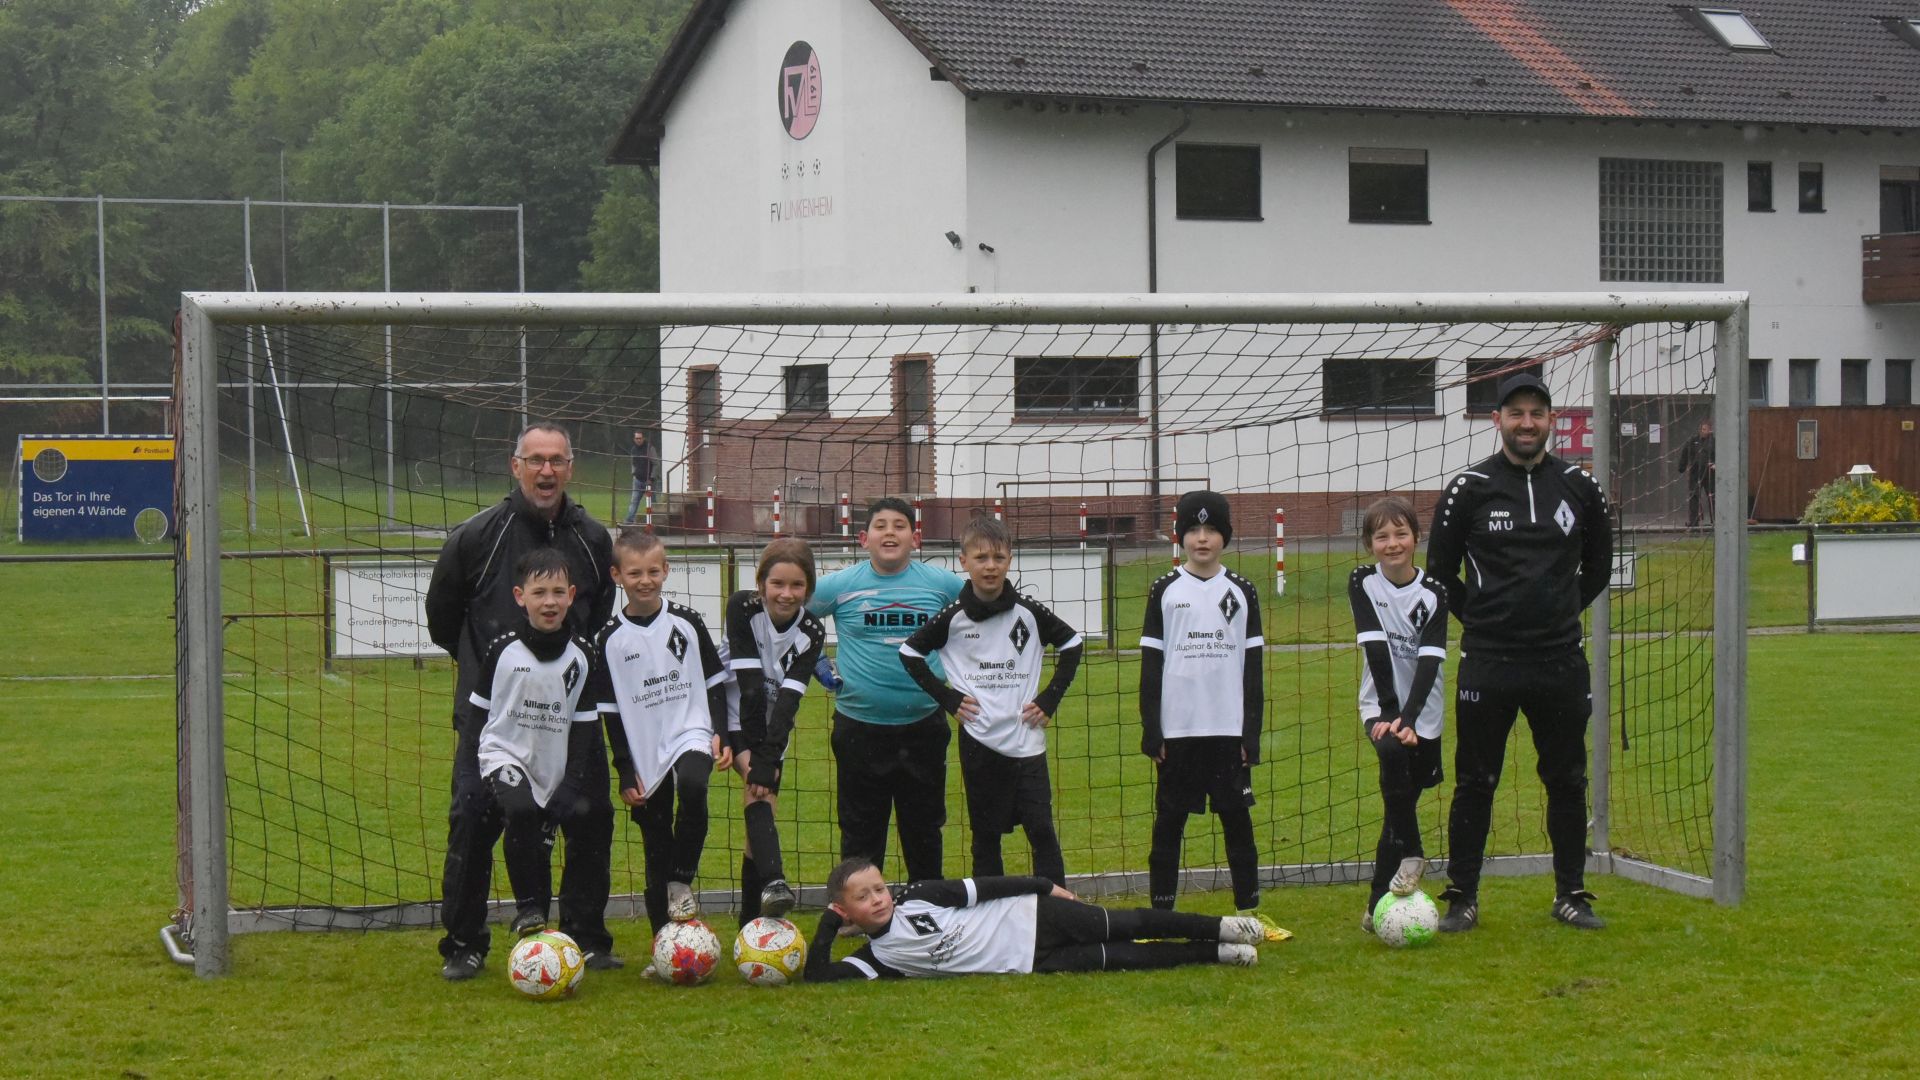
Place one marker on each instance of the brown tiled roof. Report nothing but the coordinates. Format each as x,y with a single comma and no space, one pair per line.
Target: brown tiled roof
1835,63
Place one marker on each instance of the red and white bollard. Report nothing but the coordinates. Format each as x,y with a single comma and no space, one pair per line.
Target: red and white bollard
846,516
998,515
1280,551
776,513
1175,533
916,525
1083,525
712,533
649,505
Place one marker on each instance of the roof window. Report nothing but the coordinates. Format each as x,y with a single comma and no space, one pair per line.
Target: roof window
1733,29
1907,30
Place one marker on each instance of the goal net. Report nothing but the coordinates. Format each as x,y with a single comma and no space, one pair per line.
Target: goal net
330,442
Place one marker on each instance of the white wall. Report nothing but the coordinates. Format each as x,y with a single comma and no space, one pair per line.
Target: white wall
888,148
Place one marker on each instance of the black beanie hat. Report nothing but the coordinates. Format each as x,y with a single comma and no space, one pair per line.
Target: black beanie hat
1204,508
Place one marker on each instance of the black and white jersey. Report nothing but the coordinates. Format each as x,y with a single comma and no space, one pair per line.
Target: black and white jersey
532,702
983,926
1200,660
774,666
993,651
662,693
1402,630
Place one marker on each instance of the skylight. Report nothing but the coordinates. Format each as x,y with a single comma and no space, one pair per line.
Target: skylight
1908,30
1733,30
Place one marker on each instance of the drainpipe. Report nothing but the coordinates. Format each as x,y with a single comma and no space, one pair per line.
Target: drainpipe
1153,331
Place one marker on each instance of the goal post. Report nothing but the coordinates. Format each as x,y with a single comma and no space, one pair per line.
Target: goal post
1036,406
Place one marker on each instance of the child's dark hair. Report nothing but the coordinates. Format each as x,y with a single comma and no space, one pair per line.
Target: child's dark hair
636,541
986,529
1387,511
837,880
787,549
541,562
889,502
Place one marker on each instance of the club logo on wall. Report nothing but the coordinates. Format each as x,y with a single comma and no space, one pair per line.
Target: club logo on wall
800,89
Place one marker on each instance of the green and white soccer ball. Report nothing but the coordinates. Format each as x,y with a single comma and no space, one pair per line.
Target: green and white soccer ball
685,953
1406,920
546,966
770,952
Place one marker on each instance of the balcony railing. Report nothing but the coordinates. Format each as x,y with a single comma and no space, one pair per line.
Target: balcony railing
1890,268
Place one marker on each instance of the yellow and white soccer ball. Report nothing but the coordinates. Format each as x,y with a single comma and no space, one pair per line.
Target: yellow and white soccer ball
770,952
546,966
1406,920
685,953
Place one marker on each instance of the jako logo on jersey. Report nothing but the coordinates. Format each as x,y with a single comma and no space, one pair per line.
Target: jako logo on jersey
1229,606
677,644
521,670
1563,517
1019,635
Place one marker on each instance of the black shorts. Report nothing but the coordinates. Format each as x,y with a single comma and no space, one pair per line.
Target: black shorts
999,788
1201,769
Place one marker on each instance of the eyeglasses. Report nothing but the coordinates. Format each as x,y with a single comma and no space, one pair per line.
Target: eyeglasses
538,463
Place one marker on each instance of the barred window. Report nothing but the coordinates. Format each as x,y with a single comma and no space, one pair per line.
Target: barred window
1660,220
1369,386
1076,386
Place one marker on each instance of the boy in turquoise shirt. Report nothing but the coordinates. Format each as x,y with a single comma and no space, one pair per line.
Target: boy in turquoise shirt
889,738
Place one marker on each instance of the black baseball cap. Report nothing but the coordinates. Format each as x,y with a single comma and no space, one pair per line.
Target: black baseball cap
1513,384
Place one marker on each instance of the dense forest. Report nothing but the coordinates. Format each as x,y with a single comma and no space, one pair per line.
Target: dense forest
498,102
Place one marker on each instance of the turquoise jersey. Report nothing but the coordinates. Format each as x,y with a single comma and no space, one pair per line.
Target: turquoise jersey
873,613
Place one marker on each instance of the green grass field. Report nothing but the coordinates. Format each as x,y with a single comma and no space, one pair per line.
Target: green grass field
1812,973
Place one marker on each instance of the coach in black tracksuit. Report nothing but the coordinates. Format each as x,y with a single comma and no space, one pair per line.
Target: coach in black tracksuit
1536,539
469,603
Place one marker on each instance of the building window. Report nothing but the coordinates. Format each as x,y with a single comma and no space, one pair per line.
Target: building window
703,386
1759,371
1899,198
1899,382
1734,29
807,388
1377,386
1803,381
1853,382
1047,386
1760,186
1813,188
1218,182
1387,186
1483,385
1660,220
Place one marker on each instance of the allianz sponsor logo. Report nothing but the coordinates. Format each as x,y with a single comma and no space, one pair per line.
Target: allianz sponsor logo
997,665
671,676
540,706
1206,635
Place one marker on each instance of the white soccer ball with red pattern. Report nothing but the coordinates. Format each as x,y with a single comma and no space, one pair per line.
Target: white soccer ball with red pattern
770,952
546,966
685,953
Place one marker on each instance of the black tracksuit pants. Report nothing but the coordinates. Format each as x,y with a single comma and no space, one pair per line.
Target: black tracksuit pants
583,812
1072,936
886,769
1556,696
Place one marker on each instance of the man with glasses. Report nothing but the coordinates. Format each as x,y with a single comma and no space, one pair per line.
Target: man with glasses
469,603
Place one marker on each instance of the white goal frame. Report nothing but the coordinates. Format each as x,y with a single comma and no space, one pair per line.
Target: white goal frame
202,796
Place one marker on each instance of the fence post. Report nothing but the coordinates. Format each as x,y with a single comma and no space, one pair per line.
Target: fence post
712,537
1280,550
1083,526
776,513
846,516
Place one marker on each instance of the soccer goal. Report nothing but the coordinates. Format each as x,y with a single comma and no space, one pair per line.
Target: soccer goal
314,715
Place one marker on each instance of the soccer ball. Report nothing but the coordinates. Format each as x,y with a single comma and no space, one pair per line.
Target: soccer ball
1406,920
546,966
770,952
685,953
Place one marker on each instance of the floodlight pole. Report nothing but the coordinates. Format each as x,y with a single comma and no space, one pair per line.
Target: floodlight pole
1601,675
100,255
1730,608
201,719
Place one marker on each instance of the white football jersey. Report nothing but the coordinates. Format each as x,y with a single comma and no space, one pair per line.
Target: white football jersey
1411,621
939,928
657,672
1204,627
993,651
531,705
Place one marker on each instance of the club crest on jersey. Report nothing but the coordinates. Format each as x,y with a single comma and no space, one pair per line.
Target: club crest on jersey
924,923
1019,635
1419,615
571,676
1563,517
509,775
1229,605
677,644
